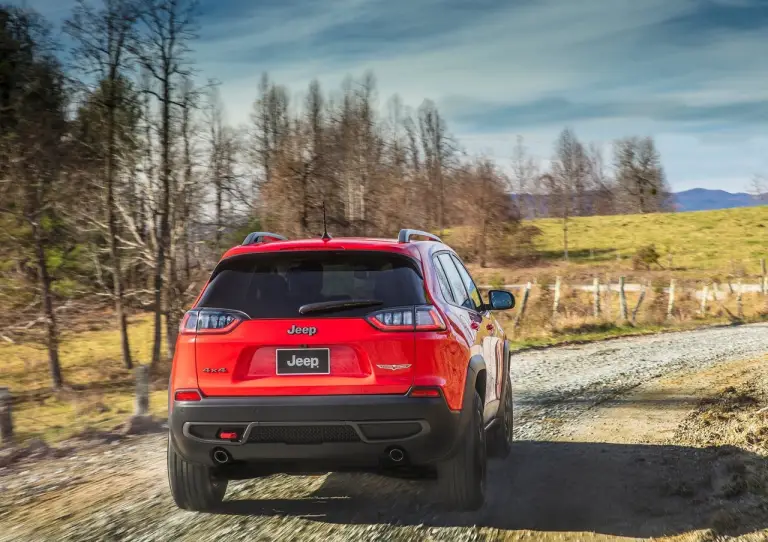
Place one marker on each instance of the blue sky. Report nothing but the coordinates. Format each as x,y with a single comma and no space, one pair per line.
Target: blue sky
692,73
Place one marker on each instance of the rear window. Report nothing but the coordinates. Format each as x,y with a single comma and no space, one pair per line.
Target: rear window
275,285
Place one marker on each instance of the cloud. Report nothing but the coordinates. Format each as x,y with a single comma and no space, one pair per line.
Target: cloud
690,72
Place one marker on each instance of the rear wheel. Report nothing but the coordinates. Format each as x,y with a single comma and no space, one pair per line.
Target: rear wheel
500,436
462,478
193,487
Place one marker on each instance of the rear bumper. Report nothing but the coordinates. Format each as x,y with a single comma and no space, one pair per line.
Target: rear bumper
346,431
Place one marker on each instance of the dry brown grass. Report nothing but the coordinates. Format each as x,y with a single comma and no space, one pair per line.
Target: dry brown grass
735,421
575,320
99,391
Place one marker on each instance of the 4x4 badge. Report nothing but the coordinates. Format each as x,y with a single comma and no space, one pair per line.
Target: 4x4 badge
209,370
394,367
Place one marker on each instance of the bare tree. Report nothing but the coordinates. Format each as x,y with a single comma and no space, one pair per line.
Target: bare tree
601,184
169,26
758,188
525,171
567,180
103,41
438,150
640,178
270,127
217,160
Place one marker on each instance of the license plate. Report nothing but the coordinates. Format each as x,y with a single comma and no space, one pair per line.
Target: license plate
303,361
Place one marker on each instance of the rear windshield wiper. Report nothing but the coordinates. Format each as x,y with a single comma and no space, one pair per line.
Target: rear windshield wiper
331,306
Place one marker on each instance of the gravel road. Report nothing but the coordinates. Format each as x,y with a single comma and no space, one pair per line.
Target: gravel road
563,382
118,491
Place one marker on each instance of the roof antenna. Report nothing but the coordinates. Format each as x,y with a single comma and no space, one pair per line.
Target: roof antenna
326,235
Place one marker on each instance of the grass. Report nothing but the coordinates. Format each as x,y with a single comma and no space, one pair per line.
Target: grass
576,323
725,241
99,391
695,246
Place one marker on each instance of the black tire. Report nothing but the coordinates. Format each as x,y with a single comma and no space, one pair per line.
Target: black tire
193,487
462,477
500,436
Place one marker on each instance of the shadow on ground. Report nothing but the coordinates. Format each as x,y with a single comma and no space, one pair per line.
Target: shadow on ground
614,489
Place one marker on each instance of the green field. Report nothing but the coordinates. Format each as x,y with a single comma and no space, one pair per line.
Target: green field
726,241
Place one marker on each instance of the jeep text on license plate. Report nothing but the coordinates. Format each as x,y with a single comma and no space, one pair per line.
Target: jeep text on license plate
303,361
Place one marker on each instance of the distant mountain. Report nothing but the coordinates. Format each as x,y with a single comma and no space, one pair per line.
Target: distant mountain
696,199
701,199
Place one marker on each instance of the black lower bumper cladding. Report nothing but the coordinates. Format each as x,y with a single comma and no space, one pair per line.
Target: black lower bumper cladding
343,430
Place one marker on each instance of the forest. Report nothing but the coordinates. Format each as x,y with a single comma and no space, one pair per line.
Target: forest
122,179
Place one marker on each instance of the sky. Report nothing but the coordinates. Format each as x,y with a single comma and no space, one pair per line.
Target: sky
691,73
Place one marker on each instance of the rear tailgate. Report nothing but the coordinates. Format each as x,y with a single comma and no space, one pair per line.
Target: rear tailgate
341,358
276,350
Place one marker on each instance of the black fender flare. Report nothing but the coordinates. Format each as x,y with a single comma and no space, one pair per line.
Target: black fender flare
506,371
475,366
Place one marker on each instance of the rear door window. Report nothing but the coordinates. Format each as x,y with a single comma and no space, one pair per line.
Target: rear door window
275,285
445,286
469,284
460,295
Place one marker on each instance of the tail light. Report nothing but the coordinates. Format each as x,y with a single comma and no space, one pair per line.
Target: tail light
422,318
209,321
424,392
187,395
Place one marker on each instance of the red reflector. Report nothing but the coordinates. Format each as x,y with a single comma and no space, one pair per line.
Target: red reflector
228,435
425,392
188,395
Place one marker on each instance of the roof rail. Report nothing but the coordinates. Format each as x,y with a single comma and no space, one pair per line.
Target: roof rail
405,236
262,237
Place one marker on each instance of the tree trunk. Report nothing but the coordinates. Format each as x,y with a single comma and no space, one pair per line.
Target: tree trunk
173,299
219,207
162,241
114,253
565,237
50,317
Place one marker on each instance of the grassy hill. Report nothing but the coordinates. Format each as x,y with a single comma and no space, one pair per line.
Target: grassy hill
726,241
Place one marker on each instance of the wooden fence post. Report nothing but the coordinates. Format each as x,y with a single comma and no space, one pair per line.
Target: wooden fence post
671,303
523,305
6,420
596,300
639,302
739,303
622,301
556,304
704,299
142,390
764,274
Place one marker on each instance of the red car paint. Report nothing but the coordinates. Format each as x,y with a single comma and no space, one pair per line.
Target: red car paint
239,360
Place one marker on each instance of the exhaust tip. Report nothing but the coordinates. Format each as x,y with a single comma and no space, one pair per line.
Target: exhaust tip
396,455
221,457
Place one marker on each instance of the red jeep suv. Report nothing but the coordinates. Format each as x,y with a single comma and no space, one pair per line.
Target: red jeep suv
328,354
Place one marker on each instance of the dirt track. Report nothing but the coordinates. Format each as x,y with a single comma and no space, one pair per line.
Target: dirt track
595,454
